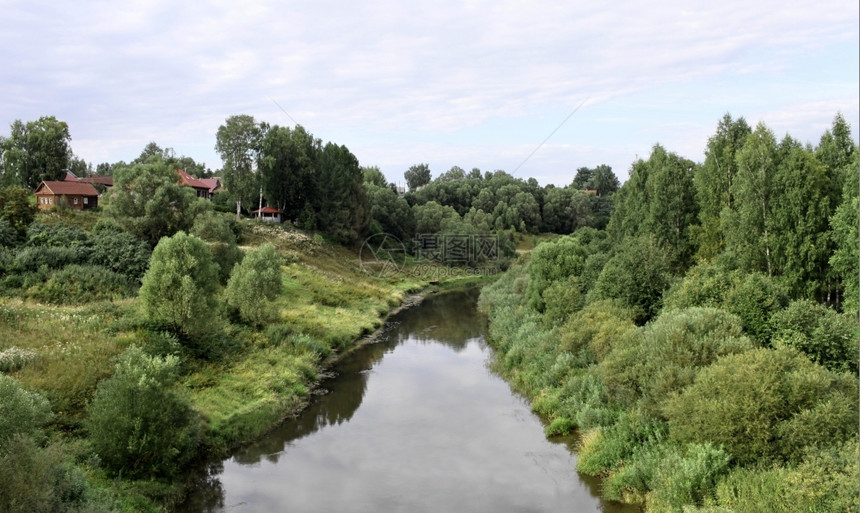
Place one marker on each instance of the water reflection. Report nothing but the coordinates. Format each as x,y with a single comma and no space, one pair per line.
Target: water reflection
436,431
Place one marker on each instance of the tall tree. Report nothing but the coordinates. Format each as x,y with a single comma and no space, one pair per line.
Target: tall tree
287,161
672,205
417,175
238,143
604,180
342,208
714,182
35,151
748,224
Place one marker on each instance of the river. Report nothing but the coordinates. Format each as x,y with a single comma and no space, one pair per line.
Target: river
415,422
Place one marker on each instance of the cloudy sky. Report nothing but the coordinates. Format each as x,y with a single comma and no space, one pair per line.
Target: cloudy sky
471,83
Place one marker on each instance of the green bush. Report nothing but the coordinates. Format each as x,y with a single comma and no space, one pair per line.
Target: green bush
654,362
632,432
39,258
705,284
140,423
57,235
120,252
755,299
561,299
36,480
76,284
255,283
741,401
824,335
687,480
179,287
21,412
637,275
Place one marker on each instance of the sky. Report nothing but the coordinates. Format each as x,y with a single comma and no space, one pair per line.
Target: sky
535,88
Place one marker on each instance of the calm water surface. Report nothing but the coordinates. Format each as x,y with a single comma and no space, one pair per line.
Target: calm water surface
415,423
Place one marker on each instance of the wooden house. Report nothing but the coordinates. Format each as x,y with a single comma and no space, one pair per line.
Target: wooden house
200,188
73,194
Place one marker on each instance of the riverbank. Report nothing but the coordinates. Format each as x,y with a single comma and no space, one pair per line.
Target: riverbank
241,380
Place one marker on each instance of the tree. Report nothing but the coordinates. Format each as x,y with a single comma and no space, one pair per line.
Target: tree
287,161
748,224
36,151
417,176
179,287
672,205
604,180
147,201
714,180
341,205
238,143
16,210
372,175
389,212
140,424
255,283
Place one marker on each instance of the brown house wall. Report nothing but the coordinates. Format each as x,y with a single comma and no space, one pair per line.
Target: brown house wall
69,199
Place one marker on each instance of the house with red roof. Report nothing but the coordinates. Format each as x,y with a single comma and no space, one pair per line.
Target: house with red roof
270,214
73,194
202,189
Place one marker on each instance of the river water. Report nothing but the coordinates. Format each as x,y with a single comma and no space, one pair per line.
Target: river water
415,422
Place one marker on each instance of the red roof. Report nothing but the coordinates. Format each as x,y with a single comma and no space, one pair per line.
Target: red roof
267,210
71,177
212,183
84,189
100,179
186,179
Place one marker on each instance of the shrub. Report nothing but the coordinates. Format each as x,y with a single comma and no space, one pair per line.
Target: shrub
58,235
637,275
140,424
179,287
705,284
687,480
740,401
21,412
822,334
35,480
255,283
76,284
561,299
37,258
619,442
120,252
755,299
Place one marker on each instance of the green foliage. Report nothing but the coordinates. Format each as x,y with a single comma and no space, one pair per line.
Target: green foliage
704,284
140,424
35,151
652,363
713,182
417,175
633,432
844,235
637,275
214,227
14,358
179,287
755,299
21,412
390,213
120,252
76,284
255,283
36,480
562,298
825,481
16,210
147,201
743,400
686,480
822,334
238,142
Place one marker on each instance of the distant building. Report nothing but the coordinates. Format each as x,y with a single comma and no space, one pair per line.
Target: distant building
213,183
73,194
199,186
270,214
106,181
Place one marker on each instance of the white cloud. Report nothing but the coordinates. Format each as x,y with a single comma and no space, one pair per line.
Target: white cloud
479,84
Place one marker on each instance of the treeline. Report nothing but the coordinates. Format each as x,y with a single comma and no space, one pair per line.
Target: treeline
705,343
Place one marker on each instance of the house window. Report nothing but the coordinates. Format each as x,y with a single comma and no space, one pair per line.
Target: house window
76,201
86,201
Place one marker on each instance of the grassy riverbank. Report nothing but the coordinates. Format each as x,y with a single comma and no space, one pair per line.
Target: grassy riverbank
240,380
688,412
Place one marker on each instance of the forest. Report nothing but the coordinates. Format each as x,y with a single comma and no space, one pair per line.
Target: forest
696,325
705,343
